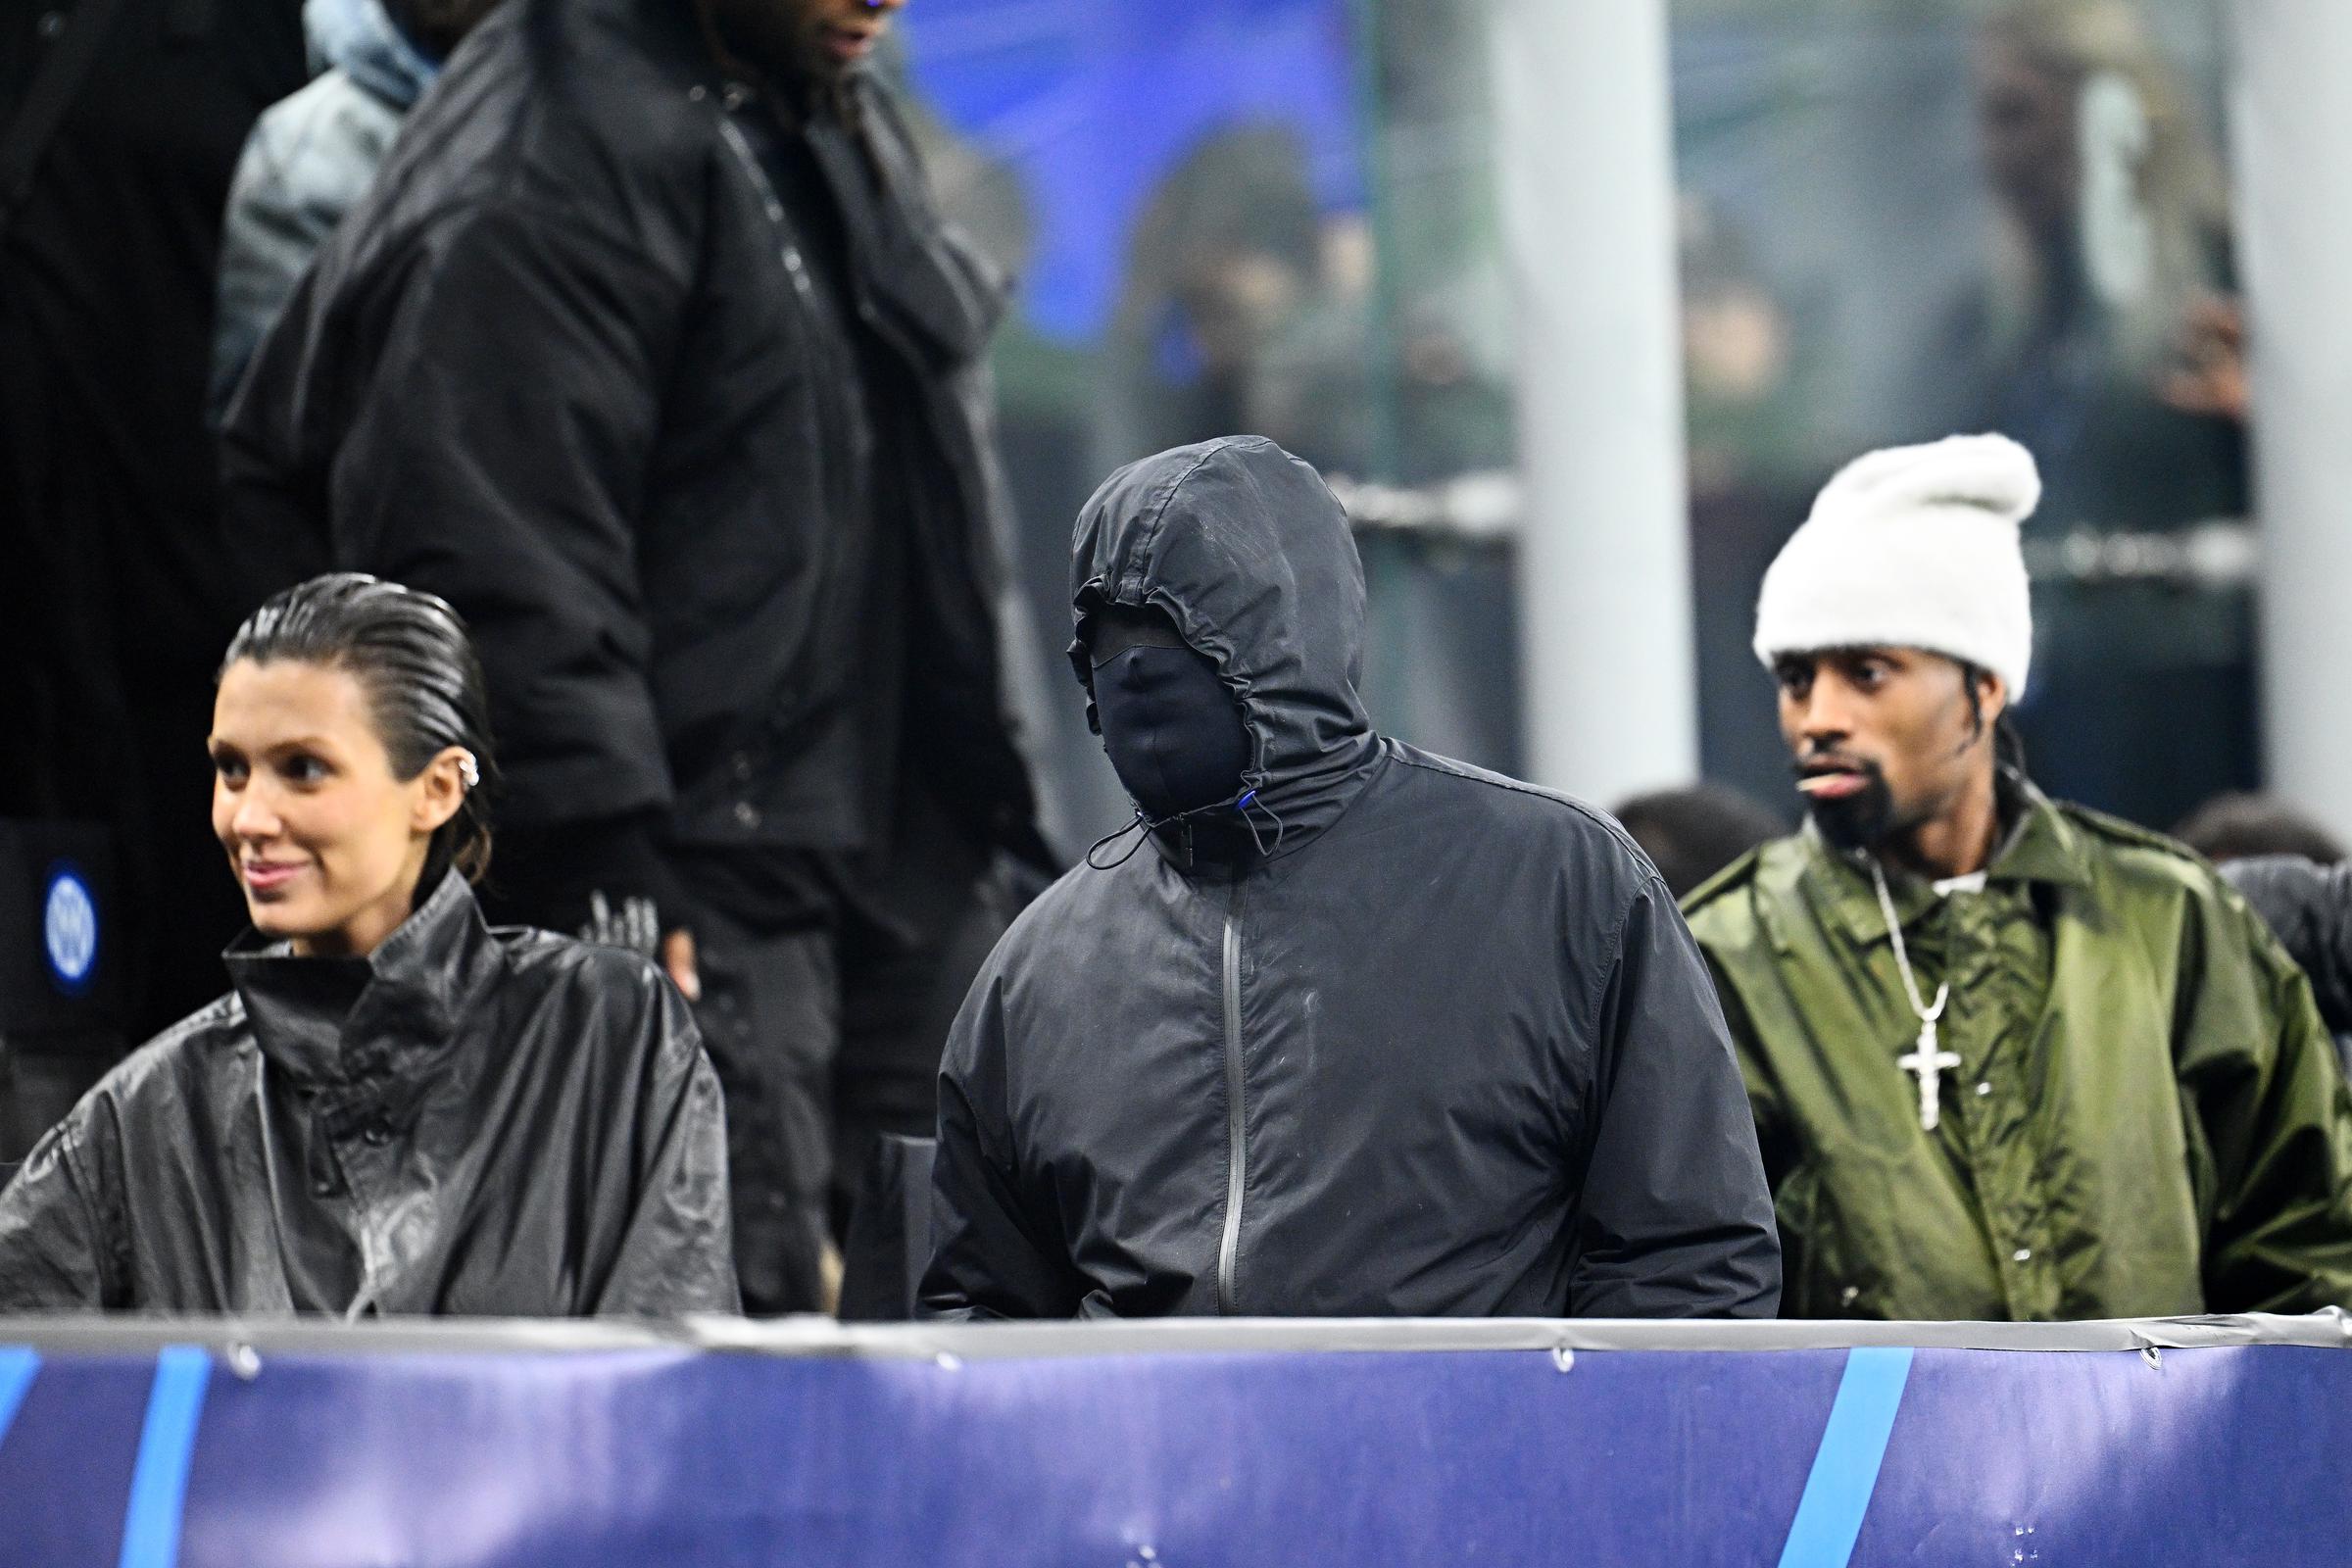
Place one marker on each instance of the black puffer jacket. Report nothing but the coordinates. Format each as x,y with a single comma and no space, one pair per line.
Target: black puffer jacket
1445,1047
2309,907
570,366
492,1123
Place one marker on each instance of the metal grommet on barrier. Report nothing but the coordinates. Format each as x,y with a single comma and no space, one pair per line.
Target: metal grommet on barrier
1563,1359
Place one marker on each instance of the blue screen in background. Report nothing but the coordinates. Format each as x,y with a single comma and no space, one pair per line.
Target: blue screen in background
1095,101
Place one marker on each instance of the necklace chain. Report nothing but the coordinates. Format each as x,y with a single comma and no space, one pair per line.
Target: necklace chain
1902,956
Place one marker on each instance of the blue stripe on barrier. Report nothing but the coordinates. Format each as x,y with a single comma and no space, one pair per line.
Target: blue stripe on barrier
16,1367
159,1482
1845,1467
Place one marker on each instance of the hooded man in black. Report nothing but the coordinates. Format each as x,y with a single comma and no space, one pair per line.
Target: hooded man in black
1365,1032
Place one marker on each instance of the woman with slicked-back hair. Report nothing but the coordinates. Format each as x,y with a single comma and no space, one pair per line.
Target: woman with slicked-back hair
396,1109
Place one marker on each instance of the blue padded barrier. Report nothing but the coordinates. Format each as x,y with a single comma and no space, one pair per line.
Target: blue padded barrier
535,1447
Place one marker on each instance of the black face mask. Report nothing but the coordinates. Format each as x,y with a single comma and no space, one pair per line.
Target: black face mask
1172,728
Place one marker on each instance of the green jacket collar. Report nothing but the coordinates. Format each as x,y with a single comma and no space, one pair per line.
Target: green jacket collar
2042,847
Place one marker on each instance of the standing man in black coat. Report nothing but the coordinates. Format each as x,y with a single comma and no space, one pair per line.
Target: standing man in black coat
1360,1031
648,352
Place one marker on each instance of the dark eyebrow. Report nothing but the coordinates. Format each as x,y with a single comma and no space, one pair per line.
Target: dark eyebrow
300,743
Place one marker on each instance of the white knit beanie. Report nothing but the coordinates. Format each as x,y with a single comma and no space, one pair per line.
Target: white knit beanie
1912,547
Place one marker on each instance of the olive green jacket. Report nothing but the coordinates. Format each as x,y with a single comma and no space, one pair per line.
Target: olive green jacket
2149,1118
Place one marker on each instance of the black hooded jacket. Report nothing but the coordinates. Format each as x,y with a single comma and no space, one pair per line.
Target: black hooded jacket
1442,1047
582,364
2308,906
498,1123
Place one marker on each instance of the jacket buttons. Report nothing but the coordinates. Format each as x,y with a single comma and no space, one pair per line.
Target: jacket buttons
741,762
2024,1254
322,1186
746,814
376,1134
51,25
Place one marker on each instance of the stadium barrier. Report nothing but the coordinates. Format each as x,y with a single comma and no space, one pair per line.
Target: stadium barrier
204,1441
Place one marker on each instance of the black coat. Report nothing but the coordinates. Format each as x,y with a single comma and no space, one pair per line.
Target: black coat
2309,907
502,1123
1445,1047
571,366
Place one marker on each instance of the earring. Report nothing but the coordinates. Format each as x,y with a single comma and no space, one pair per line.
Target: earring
470,770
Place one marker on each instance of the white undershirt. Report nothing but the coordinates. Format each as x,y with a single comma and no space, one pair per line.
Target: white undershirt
1974,882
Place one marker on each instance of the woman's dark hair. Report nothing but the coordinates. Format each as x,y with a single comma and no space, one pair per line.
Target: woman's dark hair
411,655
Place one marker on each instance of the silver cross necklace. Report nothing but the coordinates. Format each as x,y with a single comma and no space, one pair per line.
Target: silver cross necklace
1926,1060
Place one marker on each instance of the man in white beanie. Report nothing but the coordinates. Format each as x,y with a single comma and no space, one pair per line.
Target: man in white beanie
2009,1059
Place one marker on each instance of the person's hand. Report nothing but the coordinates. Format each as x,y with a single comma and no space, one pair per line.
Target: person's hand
636,925
677,957
2211,377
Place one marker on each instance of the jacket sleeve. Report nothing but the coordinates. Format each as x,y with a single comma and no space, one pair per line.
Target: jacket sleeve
53,1243
267,236
475,416
2308,906
2276,1118
1674,1219
990,1256
677,1252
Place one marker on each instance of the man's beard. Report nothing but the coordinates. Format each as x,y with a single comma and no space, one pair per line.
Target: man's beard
1861,820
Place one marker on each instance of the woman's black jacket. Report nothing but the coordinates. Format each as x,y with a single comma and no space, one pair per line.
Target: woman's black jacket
466,1121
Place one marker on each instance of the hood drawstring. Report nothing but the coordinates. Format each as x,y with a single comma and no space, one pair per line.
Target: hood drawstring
1143,826
1248,800
1139,825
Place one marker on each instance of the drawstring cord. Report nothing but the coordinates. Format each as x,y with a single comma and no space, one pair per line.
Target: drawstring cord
1248,800
1137,825
1143,826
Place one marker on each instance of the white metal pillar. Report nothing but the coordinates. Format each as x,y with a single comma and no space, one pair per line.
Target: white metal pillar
1587,161
2291,120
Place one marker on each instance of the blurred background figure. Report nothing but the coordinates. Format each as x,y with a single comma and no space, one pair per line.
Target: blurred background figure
120,124
1242,307
312,156
1691,834
2239,826
2099,340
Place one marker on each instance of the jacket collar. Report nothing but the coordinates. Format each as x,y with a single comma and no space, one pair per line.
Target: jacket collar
2042,847
332,1020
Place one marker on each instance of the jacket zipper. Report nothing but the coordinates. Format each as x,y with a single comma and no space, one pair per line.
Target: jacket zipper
1237,1151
